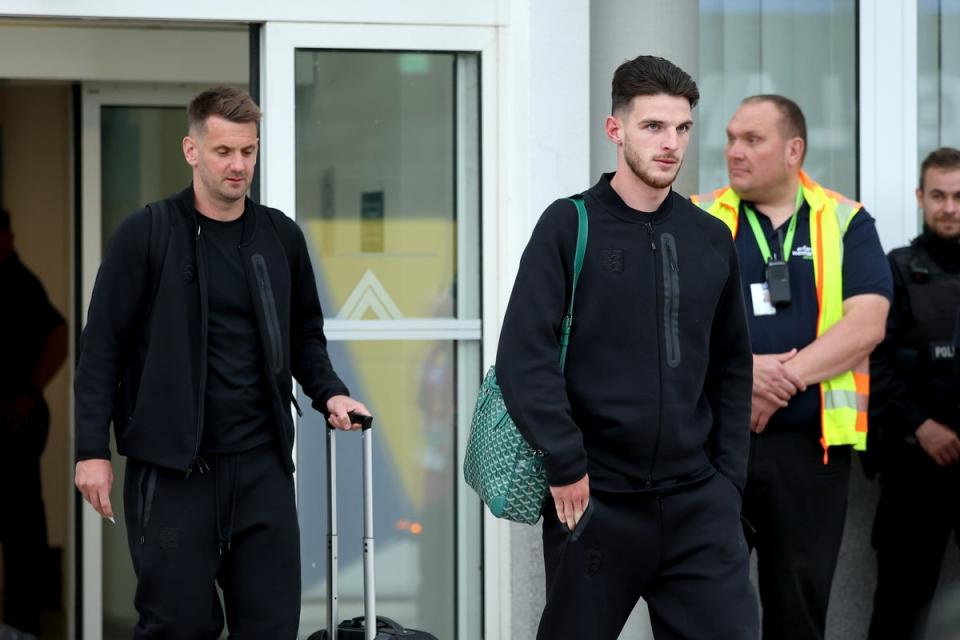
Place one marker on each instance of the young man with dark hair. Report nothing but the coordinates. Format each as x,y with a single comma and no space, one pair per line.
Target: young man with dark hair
645,431
817,292
916,382
204,309
33,346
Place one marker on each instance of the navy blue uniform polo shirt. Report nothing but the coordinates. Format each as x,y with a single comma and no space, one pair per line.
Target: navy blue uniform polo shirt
865,270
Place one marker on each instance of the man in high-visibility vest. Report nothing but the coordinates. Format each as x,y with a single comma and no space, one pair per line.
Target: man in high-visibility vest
817,289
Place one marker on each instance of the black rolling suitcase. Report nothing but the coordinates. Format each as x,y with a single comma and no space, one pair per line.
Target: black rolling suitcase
356,629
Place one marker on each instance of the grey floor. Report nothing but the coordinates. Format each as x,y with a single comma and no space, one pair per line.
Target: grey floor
851,600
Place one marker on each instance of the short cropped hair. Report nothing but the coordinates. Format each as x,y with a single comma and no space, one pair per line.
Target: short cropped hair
650,76
942,158
792,122
228,103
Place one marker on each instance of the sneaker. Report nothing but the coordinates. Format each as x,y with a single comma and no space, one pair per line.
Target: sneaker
11,633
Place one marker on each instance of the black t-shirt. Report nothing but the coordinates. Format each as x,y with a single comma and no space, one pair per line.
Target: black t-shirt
865,270
237,406
25,324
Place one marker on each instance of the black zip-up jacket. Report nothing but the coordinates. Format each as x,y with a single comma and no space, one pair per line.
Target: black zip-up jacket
656,390
143,354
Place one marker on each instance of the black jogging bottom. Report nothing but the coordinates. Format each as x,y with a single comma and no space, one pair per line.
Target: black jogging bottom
231,522
683,552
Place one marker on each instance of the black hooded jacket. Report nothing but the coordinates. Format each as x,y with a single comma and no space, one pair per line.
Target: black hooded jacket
143,357
656,390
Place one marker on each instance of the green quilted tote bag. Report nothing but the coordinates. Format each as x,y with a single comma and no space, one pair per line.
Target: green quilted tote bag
500,465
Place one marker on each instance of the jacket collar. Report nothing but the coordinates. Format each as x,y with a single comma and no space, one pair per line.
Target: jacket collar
611,200
185,201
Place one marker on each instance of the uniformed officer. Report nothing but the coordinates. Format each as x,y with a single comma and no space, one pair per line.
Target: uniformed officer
915,386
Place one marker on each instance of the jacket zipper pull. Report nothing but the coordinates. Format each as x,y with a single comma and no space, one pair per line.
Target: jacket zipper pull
653,245
200,464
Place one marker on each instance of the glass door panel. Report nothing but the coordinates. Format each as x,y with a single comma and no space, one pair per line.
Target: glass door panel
376,189
749,47
141,159
371,140
386,188
411,387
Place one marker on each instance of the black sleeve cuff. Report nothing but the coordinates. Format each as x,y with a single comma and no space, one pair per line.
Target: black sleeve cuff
565,469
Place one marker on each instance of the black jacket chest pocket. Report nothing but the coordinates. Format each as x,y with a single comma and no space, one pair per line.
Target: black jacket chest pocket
671,298
268,305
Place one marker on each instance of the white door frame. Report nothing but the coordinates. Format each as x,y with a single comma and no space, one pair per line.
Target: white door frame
278,180
888,117
96,95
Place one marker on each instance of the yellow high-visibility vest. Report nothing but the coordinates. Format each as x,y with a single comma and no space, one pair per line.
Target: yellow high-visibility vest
844,398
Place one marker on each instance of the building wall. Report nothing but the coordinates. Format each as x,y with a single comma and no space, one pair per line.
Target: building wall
545,155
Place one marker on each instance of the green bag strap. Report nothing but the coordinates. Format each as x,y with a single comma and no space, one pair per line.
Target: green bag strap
582,229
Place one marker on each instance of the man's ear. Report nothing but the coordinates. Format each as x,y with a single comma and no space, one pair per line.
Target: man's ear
614,129
795,149
190,151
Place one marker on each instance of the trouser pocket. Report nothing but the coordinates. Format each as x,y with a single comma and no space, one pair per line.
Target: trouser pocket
584,521
140,489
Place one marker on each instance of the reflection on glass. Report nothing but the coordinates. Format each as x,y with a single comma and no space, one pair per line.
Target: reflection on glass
410,387
141,161
377,166
803,50
938,76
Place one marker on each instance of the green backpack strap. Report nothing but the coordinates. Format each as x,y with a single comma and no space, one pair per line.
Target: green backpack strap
582,229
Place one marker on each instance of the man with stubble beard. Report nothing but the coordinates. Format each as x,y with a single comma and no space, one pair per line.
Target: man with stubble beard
204,310
916,380
645,431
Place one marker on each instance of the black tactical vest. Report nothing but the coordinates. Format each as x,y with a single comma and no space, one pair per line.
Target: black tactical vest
933,304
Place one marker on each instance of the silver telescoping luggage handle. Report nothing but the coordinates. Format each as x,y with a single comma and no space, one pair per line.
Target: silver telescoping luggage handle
369,584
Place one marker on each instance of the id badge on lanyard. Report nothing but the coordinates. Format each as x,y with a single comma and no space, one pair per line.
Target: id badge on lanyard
777,272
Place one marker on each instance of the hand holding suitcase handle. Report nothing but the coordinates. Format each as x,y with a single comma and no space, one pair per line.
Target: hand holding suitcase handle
356,420
365,421
345,413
